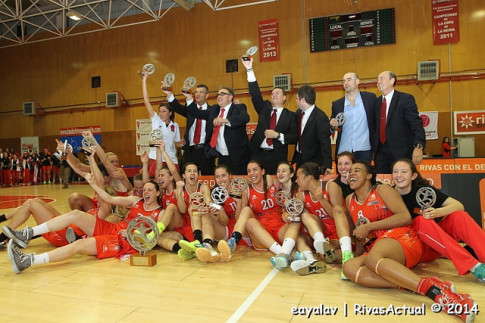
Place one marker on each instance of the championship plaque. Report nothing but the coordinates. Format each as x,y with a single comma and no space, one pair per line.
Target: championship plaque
168,81
249,53
155,135
142,234
188,84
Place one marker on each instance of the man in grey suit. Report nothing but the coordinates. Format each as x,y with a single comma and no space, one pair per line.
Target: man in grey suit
313,142
277,126
356,134
399,130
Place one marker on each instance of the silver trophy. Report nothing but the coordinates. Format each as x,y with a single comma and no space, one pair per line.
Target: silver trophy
188,84
282,198
238,185
340,117
197,201
294,207
425,197
361,219
168,81
142,234
155,135
219,195
148,69
86,144
249,53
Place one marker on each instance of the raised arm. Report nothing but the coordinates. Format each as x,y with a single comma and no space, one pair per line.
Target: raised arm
126,201
146,98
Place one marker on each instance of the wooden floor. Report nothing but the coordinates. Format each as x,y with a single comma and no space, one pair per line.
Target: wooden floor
247,289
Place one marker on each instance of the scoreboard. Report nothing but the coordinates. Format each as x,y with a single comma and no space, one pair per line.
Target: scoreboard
361,29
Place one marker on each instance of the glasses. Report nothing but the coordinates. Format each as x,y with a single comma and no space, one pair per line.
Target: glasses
348,79
222,94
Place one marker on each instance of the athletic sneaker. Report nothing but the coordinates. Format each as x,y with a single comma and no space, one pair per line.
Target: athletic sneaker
227,248
479,273
450,300
190,246
21,237
280,261
306,267
324,248
207,254
71,235
346,255
441,284
19,260
185,255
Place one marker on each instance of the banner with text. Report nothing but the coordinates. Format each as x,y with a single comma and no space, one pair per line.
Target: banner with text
469,122
143,127
74,136
29,144
446,21
269,48
430,124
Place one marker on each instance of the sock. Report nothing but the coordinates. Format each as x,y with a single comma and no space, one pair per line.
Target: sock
275,248
198,235
3,218
209,241
176,247
237,236
3,237
288,245
40,229
471,269
309,255
318,236
161,227
43,258
425,287
345,244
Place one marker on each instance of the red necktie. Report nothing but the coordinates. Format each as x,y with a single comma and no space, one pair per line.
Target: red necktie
299,130
272,126
198,126
382,127
215,133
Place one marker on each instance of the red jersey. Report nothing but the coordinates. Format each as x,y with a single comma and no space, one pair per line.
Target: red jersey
138,210
169,198
230,206
314,207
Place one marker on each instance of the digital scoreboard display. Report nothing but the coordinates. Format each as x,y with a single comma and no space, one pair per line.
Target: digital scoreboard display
361,29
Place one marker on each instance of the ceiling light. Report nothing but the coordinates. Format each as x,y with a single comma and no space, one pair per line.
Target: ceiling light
72,15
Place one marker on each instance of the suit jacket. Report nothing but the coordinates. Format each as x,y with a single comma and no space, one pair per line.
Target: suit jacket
183,111
404,127
315,140
287,124
369,101
235,135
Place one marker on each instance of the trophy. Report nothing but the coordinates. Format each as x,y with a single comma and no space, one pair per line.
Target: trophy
168,81
340,117
361,219
188,84
66,147
249,53
197,201
142,234
238,185
294,207
155,135
425,197
147,69
282,198
219,195
86,144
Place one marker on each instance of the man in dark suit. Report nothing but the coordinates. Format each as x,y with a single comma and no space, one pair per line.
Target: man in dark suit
313,142
277,126
226,136
356,134
399,130
195,134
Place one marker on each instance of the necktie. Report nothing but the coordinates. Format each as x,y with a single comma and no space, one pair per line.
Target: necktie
198,126
272,126
382,126
299,130
215,133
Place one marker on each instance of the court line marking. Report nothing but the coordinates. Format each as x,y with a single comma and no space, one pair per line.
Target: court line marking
251,298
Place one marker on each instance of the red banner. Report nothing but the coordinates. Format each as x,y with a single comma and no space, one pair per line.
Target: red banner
469,122
446,22
269,49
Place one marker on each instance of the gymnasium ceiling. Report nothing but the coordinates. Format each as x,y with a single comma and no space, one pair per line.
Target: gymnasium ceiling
27,21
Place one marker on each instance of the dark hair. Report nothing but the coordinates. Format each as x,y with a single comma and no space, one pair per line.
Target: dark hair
294,186
224,166
342,154
370,170
205,87
282,89
312,169
138,177
444,138
419,180
308,93
265,182
184,167
231,91
157,188
169,108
